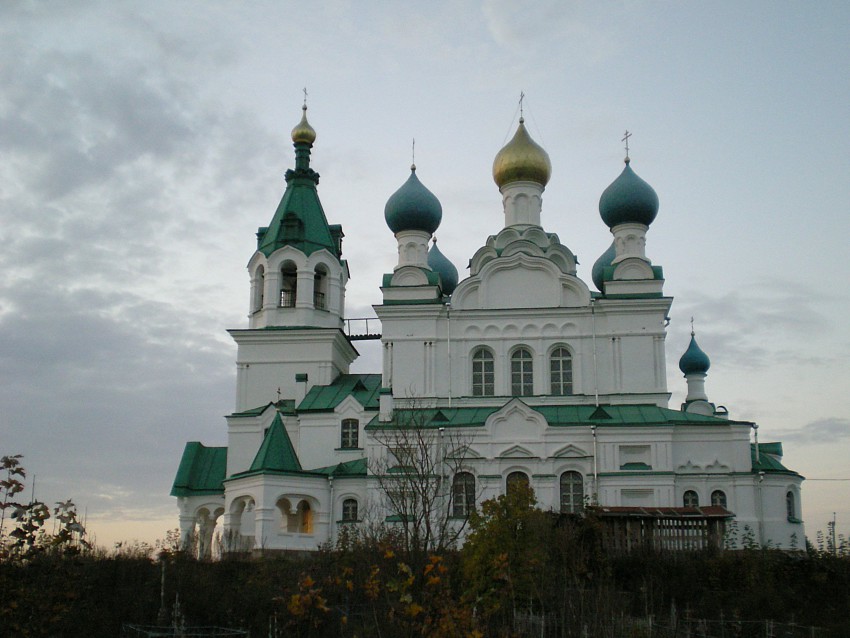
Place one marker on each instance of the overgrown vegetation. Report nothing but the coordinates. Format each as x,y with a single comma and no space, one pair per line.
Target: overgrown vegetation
522,572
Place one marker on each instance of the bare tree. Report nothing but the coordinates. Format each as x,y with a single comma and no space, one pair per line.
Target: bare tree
416,471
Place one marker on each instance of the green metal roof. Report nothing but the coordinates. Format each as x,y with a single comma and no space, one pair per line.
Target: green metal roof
285,406
363,387
349,469
299,220
768,461
556,416
253,411
620,415
201,471
276,452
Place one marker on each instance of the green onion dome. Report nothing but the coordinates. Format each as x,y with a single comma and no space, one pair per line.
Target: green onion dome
521,160
440,264
413,207
694,360
303,133
628,199
599,266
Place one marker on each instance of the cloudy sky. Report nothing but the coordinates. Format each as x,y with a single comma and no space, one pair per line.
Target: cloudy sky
143,143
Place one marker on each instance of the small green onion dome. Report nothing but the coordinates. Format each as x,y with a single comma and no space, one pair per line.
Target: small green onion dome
413,207
440,264
521,160
694,360
303,133
628,199
599,266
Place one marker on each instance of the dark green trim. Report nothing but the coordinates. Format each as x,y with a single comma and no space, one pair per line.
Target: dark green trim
650,473
412,302
635,295
635,466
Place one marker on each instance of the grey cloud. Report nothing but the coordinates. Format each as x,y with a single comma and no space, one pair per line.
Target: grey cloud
744,328
828,430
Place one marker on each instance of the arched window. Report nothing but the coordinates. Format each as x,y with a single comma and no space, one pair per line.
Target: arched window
691,499
289,521
572,493
790,505
320,288
522,374
482,373
305,518
349,510
349,434
561,371
516,480
259,288
288,285
463,494
718,497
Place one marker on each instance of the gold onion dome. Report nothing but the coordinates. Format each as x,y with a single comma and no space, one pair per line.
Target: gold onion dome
303,133
522,160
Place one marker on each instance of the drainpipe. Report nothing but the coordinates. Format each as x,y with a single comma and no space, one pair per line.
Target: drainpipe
761,509
449,346
331,522
756,435
595,498
595,364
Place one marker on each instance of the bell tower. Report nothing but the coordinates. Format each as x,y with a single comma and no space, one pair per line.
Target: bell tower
297,299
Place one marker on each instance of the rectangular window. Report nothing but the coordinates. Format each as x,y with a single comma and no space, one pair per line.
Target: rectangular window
350,433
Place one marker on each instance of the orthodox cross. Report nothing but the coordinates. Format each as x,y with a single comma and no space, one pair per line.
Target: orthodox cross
692,326
521,98
626,140
278,394
413,153
305,96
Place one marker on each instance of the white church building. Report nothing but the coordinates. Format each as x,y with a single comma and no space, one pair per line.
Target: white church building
521,372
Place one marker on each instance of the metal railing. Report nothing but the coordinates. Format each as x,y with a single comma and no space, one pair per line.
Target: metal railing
361,329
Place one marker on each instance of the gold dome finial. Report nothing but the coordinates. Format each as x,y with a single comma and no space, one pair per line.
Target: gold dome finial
303,133
521,160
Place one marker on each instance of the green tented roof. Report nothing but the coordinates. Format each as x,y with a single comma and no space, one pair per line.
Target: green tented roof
299,220
363,387
276,453
556,416
202,470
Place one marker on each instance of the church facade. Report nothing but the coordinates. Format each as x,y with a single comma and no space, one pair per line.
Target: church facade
518,373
